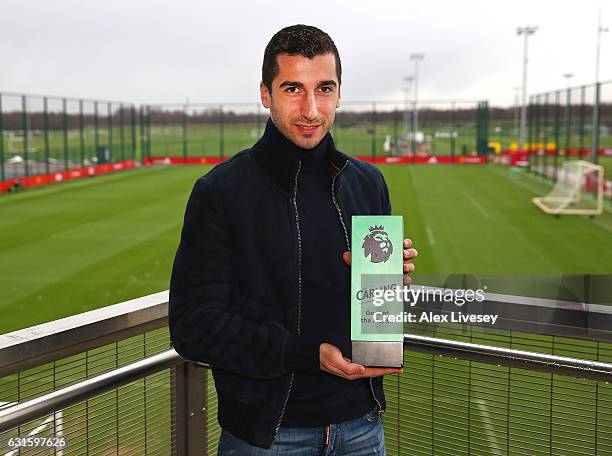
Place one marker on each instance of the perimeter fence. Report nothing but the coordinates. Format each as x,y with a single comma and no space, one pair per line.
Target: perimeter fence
42,134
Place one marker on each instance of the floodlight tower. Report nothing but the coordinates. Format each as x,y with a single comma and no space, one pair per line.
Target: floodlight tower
595,123
415,124
515,126
600,30
408,80
525,32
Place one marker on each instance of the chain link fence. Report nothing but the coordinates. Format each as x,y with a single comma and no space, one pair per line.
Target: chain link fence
368,129
46,134
571,124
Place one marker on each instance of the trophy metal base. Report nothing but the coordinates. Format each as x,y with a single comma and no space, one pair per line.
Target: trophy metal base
378,354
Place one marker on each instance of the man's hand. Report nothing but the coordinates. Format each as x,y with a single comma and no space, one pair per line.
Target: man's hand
409,255
332,361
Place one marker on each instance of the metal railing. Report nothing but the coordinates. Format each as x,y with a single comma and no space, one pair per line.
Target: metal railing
140,397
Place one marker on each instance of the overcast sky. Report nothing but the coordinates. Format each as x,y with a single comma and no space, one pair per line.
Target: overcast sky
167,51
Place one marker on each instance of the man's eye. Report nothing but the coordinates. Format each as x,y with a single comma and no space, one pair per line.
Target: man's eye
327,89
292,89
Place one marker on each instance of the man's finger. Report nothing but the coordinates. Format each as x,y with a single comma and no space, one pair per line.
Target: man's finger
332,370
409,267
346,369
351,368
378,371
407,243
410,253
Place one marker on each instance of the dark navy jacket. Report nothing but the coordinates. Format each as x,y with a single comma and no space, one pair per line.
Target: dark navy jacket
235,291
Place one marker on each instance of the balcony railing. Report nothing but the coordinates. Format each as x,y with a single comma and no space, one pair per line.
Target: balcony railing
108,382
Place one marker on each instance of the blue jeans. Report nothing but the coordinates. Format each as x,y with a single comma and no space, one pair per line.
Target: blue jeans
360,437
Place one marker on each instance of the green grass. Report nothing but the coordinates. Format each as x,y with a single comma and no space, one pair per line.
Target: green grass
84,244
480,220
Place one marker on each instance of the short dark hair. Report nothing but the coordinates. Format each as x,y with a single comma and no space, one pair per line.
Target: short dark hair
298,39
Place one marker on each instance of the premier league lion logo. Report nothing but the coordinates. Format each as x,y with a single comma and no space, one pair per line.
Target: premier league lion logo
377,244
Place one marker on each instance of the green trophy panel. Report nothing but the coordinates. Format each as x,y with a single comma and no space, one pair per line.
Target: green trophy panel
377,332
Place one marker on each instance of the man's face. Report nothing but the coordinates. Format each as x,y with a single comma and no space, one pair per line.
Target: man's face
304,97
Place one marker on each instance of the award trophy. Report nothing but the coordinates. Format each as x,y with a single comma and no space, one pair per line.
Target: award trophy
376,271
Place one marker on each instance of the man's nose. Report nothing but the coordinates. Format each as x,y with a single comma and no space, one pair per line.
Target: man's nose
309,107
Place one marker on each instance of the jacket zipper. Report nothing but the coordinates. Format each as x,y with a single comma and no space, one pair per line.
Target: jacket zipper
299,327
381,412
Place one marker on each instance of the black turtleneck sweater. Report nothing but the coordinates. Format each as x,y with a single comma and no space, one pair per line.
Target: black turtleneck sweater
318,398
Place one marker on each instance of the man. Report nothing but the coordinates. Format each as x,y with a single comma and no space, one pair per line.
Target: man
260,287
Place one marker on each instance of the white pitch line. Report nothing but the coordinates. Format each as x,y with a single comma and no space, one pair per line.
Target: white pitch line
56,417
602,225
477,205
430,236
486,419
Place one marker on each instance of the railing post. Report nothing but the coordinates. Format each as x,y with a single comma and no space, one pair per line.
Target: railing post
530,116
595,126
184,129
25,131
453,131
221,133
545,133
65,131
133,128
82,132
109,136
97,134
537,136
394,146
373,146
557,134
46,132
142,134
259,124
122,130
148,142
189,405
581,121
568,121
485,130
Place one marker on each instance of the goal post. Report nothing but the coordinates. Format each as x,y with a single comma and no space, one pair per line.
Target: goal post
579,190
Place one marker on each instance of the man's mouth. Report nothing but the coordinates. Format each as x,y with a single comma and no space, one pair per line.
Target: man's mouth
307,129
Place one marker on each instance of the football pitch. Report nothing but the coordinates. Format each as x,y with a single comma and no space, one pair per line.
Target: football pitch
81,245
85,244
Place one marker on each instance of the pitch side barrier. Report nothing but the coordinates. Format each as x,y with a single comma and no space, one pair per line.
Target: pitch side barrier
65,175
386,160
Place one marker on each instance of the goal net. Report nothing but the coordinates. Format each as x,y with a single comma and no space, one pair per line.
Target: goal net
578,190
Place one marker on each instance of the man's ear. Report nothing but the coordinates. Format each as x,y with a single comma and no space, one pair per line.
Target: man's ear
265,95
339,102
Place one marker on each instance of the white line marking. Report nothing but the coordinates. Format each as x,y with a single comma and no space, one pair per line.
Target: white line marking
477,205
488,426
56,418
430,236
602,225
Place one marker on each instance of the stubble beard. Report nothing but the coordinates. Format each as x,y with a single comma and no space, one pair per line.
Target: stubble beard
287,132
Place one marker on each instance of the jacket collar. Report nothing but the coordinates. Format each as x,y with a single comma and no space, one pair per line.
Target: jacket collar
280,158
